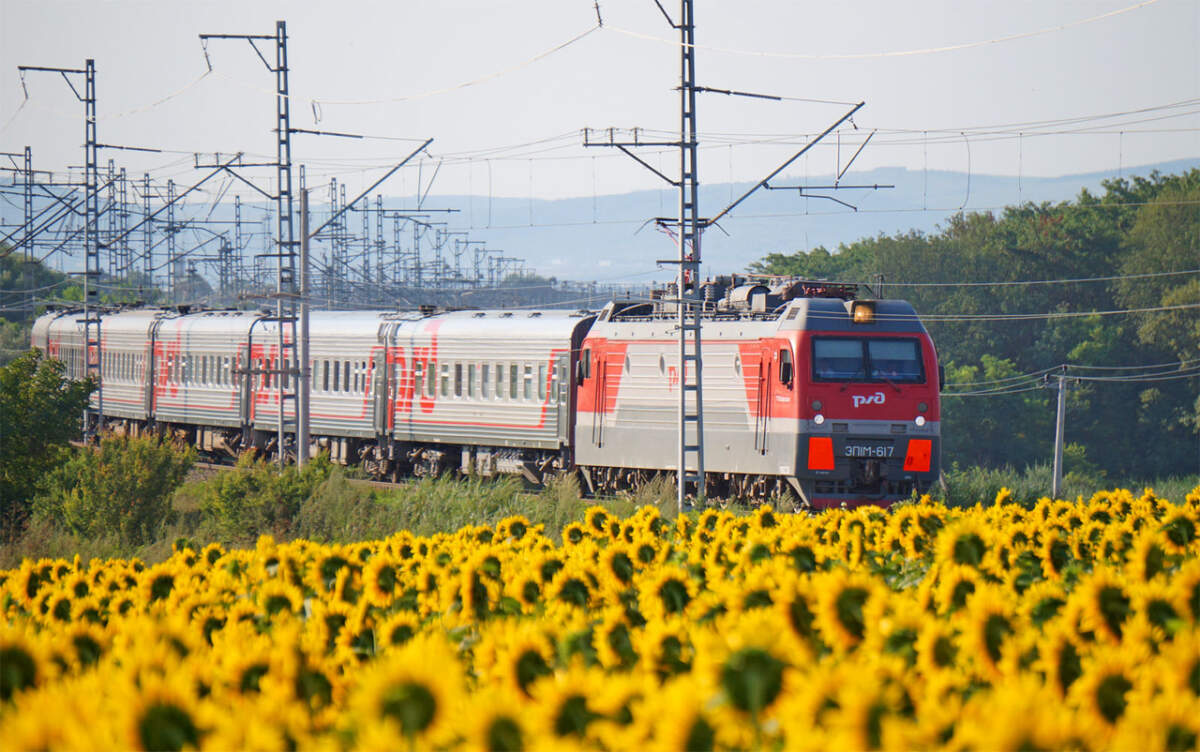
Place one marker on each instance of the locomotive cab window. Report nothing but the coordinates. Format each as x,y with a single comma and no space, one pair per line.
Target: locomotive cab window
896,360
785,366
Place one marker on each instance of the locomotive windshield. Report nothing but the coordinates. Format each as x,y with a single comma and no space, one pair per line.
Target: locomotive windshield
867,359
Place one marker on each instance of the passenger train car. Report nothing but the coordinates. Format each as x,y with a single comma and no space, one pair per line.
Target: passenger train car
807,391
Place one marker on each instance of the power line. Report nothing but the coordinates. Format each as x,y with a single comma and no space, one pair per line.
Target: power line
889,54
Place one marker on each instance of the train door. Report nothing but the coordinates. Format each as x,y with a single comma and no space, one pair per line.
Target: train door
151,370
245,373
606,364
764,394
562,398
380,393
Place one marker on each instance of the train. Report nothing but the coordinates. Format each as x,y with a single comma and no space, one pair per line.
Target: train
809,391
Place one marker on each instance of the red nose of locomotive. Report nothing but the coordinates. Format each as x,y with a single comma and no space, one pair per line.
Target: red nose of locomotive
869,412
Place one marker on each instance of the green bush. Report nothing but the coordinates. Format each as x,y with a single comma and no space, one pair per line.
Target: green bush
257,497
122,488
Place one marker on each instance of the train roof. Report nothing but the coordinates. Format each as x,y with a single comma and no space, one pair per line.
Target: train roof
834,315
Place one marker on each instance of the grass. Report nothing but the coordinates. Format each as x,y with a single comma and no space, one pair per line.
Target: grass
341,509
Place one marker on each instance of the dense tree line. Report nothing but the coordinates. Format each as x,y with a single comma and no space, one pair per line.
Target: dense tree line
1131,429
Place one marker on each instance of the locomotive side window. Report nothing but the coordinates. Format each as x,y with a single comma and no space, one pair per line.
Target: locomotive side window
585,365
785,366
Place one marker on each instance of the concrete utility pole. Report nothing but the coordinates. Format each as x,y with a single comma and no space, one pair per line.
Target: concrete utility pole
1059,428
303,437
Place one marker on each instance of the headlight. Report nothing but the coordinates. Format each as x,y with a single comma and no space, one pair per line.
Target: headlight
920,421
818,419
862,312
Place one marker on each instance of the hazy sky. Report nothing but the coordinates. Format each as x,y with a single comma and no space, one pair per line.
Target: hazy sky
394,70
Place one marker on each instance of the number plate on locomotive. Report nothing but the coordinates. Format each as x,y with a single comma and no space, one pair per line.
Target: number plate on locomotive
876,450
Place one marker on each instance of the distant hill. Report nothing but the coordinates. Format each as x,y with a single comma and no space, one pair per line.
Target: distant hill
582,238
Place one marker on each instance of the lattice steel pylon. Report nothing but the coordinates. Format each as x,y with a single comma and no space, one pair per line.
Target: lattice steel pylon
691,392
687,225
93,417
284,367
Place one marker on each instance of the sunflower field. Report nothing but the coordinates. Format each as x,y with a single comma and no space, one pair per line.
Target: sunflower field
1067,625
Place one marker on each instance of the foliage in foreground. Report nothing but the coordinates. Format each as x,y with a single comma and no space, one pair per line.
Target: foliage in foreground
1067,625
39,413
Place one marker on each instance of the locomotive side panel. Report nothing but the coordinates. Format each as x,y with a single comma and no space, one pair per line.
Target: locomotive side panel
628,404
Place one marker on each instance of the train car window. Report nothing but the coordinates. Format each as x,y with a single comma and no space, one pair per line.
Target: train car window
431,378
513,380
366,376
541,382
418,377
471,368
346,376
484,371
325,378
895,359
785,366
499,381
445,379
528,391
458,380
337,376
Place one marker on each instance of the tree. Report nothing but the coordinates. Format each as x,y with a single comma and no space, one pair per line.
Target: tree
39,413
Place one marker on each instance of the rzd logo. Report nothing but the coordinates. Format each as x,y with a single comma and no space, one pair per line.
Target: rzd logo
870,399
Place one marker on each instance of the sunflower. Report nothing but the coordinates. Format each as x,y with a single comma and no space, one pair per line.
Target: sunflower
664,647
279,597
165,715
1146,558
678,716
514,654
954,585
937,647
1103,692
988,626
381,578
1013,715
1180,530
841,599
1104,603
664,591
614,640
411,692
496,721
1055,553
